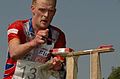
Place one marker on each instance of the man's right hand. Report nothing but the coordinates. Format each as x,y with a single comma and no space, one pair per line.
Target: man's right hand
40,37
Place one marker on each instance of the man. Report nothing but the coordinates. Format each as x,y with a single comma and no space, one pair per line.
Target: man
31,40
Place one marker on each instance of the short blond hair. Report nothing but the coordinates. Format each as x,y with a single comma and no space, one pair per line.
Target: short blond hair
34,2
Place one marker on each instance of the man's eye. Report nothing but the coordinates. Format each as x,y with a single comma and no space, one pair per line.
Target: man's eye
51,10
45,10
42,10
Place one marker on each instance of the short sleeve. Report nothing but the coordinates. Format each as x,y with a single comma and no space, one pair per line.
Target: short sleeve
13,30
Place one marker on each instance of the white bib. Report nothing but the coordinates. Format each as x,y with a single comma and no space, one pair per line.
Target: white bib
30,70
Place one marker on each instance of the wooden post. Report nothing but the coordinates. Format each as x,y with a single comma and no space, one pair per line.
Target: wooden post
95,61
95,66
71,65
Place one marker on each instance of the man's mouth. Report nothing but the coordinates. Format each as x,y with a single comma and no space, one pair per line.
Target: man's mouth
44,21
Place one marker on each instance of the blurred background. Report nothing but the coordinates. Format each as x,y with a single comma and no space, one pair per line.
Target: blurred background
86,23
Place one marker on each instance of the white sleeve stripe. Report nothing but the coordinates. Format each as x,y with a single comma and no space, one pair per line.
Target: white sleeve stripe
61,50
15,31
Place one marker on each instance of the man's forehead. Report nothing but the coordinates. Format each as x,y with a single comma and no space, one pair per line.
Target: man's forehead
45,4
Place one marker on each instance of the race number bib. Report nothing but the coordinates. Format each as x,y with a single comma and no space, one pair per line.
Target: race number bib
29,70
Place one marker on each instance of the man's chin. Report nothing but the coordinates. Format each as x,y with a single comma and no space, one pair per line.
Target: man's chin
43,27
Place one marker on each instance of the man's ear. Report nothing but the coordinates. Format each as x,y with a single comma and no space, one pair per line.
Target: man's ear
33,9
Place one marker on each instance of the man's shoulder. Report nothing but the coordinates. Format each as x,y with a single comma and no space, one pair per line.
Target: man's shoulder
56,28
17,24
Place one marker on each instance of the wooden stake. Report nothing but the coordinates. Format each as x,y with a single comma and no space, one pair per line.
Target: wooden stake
71,68
95,66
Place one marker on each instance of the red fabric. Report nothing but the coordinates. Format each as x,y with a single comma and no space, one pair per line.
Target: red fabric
105,46
18,25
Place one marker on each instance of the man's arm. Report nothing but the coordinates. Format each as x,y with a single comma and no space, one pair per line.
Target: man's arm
18,50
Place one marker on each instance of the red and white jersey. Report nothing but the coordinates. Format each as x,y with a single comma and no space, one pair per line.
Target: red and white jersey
22,29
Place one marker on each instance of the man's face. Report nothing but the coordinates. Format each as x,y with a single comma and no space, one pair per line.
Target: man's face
43,12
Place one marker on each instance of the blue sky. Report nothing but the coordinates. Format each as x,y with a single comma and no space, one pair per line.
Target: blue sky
86,23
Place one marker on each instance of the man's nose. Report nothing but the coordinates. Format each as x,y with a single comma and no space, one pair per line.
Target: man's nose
46,13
